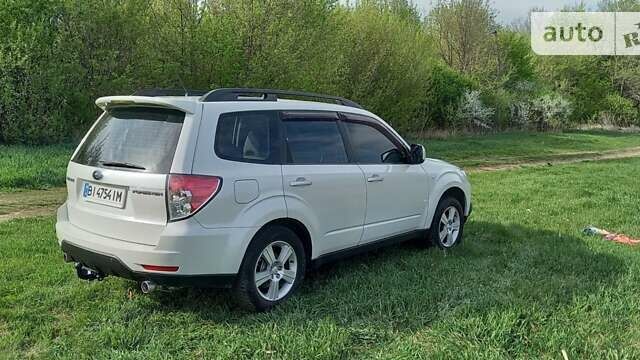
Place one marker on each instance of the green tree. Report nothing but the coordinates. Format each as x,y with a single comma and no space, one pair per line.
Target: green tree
385,64
463,30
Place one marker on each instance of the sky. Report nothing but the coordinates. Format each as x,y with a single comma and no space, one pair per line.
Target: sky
511,10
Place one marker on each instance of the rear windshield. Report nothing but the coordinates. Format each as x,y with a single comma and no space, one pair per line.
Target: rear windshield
133,138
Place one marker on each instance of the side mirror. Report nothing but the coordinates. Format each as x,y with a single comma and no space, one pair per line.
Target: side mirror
417,154
393,156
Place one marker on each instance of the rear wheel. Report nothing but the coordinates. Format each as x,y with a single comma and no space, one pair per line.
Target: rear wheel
448,224
272,269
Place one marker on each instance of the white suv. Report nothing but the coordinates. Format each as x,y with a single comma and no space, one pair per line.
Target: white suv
242,188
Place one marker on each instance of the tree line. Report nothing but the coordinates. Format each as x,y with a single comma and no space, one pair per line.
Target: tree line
453,69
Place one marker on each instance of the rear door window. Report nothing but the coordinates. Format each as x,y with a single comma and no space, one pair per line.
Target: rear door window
133,138
250,136
314,140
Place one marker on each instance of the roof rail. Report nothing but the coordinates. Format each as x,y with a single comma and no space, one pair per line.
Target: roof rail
169,92
250,94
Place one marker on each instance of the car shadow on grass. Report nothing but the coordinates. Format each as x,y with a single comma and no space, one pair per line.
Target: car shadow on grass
498,267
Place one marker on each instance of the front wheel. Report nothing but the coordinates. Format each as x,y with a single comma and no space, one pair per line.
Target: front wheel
448,224
272,269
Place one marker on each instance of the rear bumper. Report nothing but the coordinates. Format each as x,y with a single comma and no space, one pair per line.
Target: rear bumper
107,264
204,257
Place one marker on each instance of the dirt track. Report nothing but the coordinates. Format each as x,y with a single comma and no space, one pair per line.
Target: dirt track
567,158
32,203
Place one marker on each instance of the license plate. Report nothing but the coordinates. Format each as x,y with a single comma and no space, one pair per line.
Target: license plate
104,195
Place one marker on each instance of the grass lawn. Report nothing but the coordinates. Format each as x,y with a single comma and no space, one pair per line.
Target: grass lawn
509,148
29,167
524,284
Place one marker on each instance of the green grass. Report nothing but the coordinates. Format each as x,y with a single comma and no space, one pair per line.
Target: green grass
27,167
521,147
525,284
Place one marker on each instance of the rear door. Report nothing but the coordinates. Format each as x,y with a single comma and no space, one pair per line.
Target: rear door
396,190
320,184
116,179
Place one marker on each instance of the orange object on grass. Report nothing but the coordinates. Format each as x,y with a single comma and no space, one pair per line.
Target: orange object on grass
622,239
619,238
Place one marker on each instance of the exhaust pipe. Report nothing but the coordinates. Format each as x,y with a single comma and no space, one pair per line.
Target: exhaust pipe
67,258
147,286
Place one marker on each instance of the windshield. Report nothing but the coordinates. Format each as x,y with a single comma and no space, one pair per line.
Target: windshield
133,138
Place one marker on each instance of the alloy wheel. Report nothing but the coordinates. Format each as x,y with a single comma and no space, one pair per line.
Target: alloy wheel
449,226
276,270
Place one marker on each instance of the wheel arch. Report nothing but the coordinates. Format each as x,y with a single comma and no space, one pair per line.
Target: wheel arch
294,225
449,184
458,194
454,191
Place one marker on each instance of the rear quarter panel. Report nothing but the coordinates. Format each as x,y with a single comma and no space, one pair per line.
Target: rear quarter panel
185,150
239,204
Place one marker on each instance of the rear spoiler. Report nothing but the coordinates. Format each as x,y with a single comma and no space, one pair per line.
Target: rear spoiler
108,102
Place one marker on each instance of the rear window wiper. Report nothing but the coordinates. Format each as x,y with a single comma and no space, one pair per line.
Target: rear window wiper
122,165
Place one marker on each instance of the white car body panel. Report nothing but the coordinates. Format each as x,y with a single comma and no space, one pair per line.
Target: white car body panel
142,219
444,176
337,195
266,206
186,243
396,198
339,209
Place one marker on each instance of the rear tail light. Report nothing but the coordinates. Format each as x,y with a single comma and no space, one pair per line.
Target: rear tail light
186,194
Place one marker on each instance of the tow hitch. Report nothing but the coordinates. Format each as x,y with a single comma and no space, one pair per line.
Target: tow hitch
86,273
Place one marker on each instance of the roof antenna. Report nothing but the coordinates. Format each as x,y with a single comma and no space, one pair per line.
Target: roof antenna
186,92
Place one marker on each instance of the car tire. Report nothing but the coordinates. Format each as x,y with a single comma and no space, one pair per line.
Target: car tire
266,278
447,226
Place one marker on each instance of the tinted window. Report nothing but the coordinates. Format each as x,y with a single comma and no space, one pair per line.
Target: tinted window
314,142
248,136
133,138
370,146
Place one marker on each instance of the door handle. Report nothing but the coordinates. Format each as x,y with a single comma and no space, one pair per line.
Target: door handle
301,181
375,178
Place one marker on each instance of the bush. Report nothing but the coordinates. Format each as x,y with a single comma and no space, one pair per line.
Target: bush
550,111
32,105
57,57
516,59
521,113
583,80
473,114
386,61
520,103
620,112
443,94
501,101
